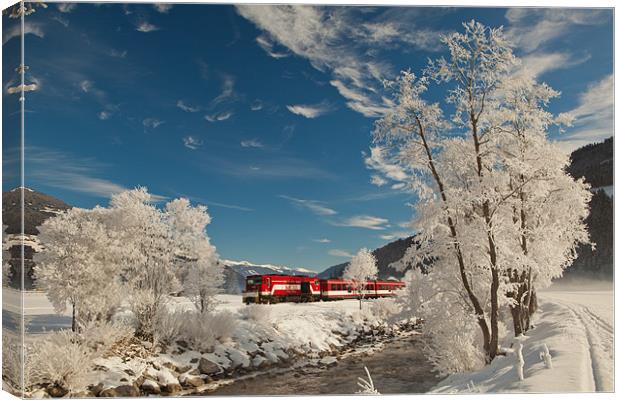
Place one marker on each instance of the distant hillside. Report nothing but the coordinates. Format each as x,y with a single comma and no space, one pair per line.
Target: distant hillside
236,272
386,255
37,208
595,163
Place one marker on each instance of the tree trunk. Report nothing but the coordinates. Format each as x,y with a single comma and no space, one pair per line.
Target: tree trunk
73,319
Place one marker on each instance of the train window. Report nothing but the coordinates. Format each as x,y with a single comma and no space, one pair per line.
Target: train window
254,280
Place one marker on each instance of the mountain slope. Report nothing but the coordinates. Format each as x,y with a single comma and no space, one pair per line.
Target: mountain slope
386,255
37,208
594,163
236,272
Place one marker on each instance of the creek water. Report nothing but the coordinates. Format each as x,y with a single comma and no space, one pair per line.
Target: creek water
396,366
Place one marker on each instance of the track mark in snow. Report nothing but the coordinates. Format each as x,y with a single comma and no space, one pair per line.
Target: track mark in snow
600,342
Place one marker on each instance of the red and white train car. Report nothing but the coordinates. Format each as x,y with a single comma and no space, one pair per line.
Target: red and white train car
338,289
278,288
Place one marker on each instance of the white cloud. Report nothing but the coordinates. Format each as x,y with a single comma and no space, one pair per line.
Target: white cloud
314,206
152,123
539,63
255,143
228,91
103,115
191,142
310,110
340,253
257,105
531,28
266,44
377,161
593,116
162,7
117,53
62,170
146,27
335,40
222,116
322,240
186,107
86,86
15,31
66,7
364,221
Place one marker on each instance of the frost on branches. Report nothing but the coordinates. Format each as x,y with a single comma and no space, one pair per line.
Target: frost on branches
90,256
362,268
498,216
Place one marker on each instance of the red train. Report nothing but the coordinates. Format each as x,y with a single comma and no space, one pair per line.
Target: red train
278,288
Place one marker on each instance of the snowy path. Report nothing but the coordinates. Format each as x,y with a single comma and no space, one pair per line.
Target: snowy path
577,326
594,311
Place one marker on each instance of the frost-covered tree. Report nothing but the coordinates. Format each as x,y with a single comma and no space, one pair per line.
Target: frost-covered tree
469,176
200,272
361,268
78,267
147,256
6,258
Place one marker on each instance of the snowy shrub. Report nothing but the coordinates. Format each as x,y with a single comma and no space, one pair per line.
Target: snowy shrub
223,324
256,313
11,359
61,359
545,356
199,335
366,386
170,325
100,335
146,308
384,309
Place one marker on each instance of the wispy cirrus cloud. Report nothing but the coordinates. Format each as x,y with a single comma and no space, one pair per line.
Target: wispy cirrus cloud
363,221
378,161
316,207
540,62
341,41
146,27
322,240
192,142
255,143
266,44
532,28
66,7
162,7
30,28
340,253
217,117
594,116
65,171
152,123
186,107
310,110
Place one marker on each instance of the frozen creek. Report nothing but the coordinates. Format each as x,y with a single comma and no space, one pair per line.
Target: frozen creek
396,366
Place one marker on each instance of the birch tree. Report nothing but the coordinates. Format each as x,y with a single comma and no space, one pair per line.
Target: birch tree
200,272
78,266
362,268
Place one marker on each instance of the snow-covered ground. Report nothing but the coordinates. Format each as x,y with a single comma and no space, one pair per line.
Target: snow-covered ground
575,322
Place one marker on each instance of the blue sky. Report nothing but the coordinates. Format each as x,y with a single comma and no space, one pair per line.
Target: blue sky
263,113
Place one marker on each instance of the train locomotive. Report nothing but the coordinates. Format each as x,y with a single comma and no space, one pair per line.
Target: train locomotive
270,289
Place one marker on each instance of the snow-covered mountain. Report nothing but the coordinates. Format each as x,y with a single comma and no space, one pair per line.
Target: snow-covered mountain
37,208
237,271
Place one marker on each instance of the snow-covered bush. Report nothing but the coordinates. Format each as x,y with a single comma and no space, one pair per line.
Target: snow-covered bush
223,324
12,359
146,308
257,313
545,356
199,335
170,325
101,335
61,359
385,309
